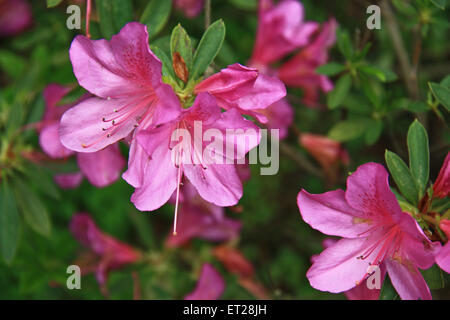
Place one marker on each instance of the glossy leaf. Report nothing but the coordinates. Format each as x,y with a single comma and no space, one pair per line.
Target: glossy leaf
402,176
340,91
155,16
9,222
31,207
208,48
419,155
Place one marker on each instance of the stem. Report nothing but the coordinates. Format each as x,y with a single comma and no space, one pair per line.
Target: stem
207,13
394,32
300,159
88,17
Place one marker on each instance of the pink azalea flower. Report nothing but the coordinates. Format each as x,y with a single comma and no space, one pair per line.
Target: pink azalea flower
441,186
190,8
243,88
210,285
125,77
281,29
300,71
111,253
374,231
161,175
443,255
101,168
15,16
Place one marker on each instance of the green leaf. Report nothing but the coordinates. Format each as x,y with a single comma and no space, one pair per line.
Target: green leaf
404,7
348,129
402,176
373,71
446,82
440,3
340,91
123,13
167,69
387,291
105,13
181,43
344,44
31,207
37,175
9,223
53,3
419,155
12,64
156,15
434,277
331,69
441,93
208,48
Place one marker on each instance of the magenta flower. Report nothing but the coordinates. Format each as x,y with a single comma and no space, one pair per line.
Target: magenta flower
15,16
190,8
443,254
300,71
210,285
125,77
159,172
281,29
111,253
101,168
441,187
374,231
243,88
201,219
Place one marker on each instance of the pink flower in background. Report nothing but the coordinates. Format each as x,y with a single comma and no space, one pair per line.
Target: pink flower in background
243,88
15,16
327,152
101,168
441,187
236,263
300,71
216,183
190,8
374,231
111,253
279,115
210,285
201,219
281,29
125,77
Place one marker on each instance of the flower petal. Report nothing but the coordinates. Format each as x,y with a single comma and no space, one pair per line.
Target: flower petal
117,68
368,191
408,281
219,184
443,258
50,142
337,268
330,214
103,167
210,286
82,127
